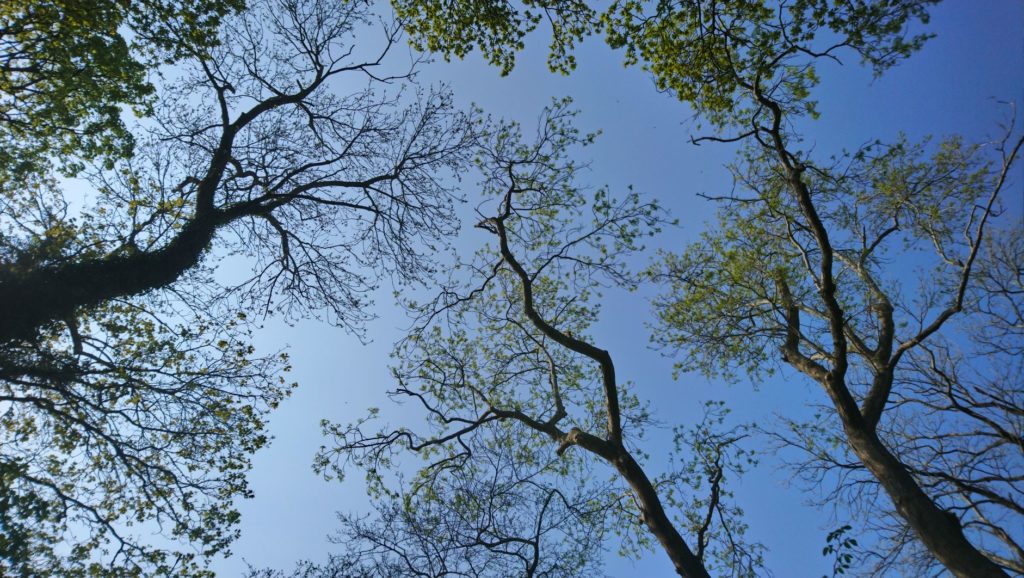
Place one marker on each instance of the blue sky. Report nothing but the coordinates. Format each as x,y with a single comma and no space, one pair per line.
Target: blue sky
952,86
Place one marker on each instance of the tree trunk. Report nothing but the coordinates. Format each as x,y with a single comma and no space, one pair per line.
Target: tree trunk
30,300
940,531
687,564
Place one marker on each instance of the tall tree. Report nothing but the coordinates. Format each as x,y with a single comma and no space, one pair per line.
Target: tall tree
524,411
799,272
130,398
748,70
954,420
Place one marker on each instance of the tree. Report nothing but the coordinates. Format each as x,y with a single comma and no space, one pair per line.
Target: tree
492,515
130,397
523,408
758,287
692,47
228,180
811,283
955,425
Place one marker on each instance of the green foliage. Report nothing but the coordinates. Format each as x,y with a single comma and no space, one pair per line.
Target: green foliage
840,545
482,351
132,402
799,270
497,28
720,56
712,454
504,395
724,303
122,421
115,419
68,67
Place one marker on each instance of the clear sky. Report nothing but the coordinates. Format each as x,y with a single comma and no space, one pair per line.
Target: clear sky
950,87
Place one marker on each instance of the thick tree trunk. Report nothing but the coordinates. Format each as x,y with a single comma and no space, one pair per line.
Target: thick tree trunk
939,530
30,300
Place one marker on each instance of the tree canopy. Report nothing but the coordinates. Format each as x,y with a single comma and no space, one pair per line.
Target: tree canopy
283,134
798,272
526,417
711,54
67,68
132,398
818,272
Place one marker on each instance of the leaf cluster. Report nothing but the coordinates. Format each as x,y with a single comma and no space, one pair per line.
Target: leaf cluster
68,68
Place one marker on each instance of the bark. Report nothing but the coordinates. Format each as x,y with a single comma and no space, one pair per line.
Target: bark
940,531
31,300
653,515
687,563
